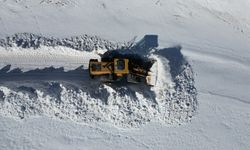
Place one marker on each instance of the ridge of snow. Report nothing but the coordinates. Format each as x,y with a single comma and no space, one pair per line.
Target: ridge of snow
65,90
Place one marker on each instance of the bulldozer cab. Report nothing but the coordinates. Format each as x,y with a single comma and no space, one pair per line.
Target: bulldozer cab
117,67
121,67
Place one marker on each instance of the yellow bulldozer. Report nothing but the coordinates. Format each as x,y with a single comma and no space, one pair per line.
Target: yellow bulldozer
125,65
118,70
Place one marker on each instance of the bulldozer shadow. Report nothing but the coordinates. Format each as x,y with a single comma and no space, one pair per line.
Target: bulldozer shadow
75,76
175,58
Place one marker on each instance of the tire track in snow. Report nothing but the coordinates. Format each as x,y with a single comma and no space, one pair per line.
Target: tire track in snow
230,97
224,53
196,54
121,136
226,96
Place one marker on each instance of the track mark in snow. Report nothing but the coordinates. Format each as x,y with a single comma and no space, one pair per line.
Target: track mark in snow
130,138
217,57
230,97
236,23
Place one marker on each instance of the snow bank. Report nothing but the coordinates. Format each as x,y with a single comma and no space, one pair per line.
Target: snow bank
84,42
70,94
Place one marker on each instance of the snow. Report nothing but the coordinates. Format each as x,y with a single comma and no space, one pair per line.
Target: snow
57,85
45,57
215,40
161,73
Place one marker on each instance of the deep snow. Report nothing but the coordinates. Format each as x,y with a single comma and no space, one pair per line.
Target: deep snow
57,85
215,39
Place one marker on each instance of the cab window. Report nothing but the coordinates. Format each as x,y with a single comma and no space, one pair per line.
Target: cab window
96,67
120,64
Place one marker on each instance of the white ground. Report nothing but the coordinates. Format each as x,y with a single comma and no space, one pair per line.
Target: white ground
215,38
45,57
67,92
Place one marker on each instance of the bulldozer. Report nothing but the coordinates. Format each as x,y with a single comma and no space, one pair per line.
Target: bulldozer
118,70
122,66
113,69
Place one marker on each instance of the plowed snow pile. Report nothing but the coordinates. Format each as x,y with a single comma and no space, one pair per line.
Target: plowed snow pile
49,77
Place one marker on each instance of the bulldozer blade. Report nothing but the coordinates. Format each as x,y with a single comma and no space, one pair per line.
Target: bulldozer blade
151,79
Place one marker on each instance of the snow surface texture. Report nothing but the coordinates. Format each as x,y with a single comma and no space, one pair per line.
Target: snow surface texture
215,38
72,95
85,42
